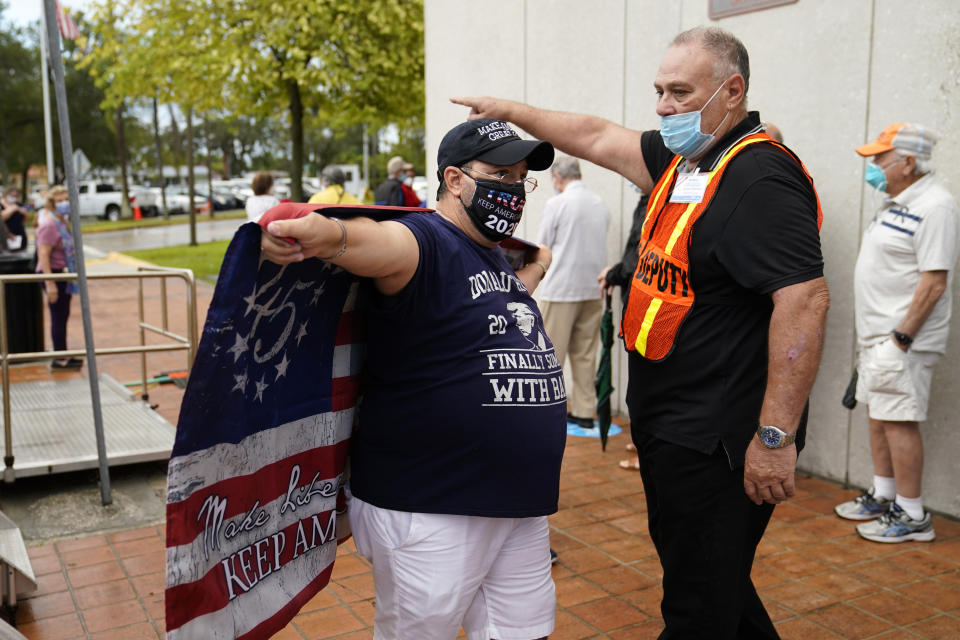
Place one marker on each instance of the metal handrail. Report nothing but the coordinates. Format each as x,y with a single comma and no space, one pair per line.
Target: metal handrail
178,342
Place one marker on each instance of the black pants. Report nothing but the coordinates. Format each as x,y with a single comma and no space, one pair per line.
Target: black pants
59,314
706,532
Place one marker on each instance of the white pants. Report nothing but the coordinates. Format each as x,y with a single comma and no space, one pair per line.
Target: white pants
434,573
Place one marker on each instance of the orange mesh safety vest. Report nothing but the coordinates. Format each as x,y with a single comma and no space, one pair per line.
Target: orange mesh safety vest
661,294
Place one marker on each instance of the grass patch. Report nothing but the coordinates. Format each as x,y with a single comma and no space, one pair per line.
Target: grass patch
158,221
204,259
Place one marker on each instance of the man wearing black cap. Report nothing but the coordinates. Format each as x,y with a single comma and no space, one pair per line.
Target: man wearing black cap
455,464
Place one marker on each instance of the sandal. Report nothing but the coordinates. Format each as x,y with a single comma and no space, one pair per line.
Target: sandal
630,464
632,448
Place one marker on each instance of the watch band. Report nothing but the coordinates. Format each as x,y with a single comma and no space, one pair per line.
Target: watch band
774,437
905,339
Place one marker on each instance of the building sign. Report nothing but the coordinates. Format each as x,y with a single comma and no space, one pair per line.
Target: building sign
725,8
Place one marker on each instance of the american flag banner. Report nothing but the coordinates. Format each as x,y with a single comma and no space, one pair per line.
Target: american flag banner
258,463
68,28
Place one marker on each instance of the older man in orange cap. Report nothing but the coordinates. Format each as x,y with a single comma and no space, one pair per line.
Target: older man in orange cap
902,308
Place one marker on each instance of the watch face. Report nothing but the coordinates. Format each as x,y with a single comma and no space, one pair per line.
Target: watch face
770,437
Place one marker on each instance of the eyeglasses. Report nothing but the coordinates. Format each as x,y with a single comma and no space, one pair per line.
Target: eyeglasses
529,184
885,167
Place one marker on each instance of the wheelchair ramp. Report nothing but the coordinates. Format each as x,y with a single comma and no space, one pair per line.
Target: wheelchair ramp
16,574
53,428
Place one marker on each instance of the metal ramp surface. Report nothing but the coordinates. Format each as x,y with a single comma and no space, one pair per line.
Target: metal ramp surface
53,429
16,574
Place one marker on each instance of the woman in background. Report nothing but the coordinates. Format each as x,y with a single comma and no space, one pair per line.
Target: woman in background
55,254
262,199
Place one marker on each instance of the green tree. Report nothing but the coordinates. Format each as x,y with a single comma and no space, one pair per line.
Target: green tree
347,61
339,62
163,49
21,105
21,109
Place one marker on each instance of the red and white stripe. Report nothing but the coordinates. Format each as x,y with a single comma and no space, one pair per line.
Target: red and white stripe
257,470
68,28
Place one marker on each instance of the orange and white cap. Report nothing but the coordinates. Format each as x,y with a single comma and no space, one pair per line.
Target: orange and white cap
907,138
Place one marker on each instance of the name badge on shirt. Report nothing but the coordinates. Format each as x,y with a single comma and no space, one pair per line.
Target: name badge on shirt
690,187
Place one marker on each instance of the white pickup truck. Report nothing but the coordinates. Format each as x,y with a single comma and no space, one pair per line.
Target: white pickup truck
104,200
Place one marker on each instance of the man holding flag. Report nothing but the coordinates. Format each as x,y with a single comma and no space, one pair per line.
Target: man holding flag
456,460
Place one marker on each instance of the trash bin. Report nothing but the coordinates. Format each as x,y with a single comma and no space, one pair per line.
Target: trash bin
24,302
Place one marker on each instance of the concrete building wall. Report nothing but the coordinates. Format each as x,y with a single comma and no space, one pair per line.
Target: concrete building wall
831,74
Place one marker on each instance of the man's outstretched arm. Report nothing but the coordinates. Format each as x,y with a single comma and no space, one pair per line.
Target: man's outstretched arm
600,141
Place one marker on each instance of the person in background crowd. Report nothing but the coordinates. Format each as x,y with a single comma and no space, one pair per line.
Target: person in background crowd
774,131
410,197
334,191
902,306
55,254
14,214
390,191
262,198
619,275
574,226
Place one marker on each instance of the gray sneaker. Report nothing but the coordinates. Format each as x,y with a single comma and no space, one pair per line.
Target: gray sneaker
896,526
863,507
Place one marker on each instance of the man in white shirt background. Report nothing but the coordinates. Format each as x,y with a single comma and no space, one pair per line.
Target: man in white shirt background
574,227
902,309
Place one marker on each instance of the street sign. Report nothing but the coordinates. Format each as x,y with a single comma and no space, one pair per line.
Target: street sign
81,163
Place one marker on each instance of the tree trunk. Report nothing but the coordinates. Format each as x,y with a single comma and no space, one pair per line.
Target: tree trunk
296,133
190,191
227,152
122,153
206,144
177,142
159,149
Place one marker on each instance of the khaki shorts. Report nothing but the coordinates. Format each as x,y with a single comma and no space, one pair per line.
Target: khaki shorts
895,385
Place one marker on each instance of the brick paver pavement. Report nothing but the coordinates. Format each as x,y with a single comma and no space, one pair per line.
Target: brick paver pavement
818,579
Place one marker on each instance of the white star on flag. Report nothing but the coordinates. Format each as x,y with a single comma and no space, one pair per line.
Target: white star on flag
282,367
239,347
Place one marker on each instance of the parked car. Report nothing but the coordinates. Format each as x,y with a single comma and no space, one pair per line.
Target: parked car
224,200
105,200
178,200
234,186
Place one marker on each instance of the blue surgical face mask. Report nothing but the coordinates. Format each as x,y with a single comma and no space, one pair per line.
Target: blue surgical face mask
63,208
681,131
876,176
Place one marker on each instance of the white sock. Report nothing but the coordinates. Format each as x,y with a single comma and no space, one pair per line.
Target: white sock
913,506
885,488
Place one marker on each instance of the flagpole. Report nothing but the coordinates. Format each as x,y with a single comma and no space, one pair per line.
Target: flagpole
66,146
47,122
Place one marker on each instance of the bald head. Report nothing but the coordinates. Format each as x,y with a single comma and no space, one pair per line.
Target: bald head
773,131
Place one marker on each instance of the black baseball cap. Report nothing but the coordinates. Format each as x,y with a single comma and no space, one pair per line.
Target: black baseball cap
492,141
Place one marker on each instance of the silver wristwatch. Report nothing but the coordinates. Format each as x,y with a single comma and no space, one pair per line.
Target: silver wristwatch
774,437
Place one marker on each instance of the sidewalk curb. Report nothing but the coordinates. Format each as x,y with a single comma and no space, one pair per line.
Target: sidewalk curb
122,258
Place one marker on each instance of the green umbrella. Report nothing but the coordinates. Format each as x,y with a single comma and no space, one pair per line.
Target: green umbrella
604,380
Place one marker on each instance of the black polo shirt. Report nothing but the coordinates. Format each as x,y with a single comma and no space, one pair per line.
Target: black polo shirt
759,234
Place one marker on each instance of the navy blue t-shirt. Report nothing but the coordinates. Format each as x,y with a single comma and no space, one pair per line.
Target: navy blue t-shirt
464,407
